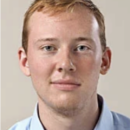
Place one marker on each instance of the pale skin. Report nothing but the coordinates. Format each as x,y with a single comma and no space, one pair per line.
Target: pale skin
64,60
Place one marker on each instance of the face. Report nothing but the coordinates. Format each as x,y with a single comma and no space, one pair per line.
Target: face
64,58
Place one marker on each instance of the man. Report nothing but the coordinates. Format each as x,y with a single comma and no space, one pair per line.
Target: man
64,51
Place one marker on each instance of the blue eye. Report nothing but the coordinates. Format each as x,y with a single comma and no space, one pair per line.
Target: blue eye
48,48
81,48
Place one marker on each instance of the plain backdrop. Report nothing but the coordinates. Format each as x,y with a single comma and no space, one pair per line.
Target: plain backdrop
18,95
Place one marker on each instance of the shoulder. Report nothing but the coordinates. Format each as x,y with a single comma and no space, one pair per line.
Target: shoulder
121,122
22,125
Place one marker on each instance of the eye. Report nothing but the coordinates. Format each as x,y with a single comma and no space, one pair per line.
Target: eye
81,48
49,48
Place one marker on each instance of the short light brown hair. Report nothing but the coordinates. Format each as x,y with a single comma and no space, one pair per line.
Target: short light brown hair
56,6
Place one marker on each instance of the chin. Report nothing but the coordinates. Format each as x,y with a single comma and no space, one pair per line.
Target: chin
65,105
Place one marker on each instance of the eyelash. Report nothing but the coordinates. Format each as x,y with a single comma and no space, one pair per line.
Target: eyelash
45,47
86,48
83,47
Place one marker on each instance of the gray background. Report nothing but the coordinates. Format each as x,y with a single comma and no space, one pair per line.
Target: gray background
18,96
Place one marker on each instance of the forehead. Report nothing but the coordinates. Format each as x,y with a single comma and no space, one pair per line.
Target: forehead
79,14
64,26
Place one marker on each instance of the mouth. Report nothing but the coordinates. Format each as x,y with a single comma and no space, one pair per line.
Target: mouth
65,85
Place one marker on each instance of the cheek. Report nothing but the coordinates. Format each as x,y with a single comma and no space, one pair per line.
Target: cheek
89,67
40,68
40,74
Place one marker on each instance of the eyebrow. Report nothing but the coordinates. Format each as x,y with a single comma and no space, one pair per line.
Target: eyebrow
79,39
46,40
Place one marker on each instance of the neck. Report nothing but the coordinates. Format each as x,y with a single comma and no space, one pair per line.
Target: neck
86,119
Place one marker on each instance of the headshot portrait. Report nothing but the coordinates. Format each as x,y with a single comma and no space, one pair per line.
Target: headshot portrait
66,65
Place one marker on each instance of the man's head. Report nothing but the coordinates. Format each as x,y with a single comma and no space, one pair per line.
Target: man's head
58,6
65,55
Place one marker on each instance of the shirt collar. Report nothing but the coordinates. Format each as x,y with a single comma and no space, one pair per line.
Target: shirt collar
105,120
35,122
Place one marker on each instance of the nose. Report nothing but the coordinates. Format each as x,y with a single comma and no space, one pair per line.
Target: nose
65,62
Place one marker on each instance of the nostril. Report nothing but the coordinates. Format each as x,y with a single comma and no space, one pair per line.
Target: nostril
66,66
71,69
60,69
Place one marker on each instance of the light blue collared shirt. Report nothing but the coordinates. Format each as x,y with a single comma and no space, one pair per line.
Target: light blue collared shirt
108,120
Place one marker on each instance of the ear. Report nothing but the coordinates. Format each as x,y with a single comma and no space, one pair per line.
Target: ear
106,61
23,61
